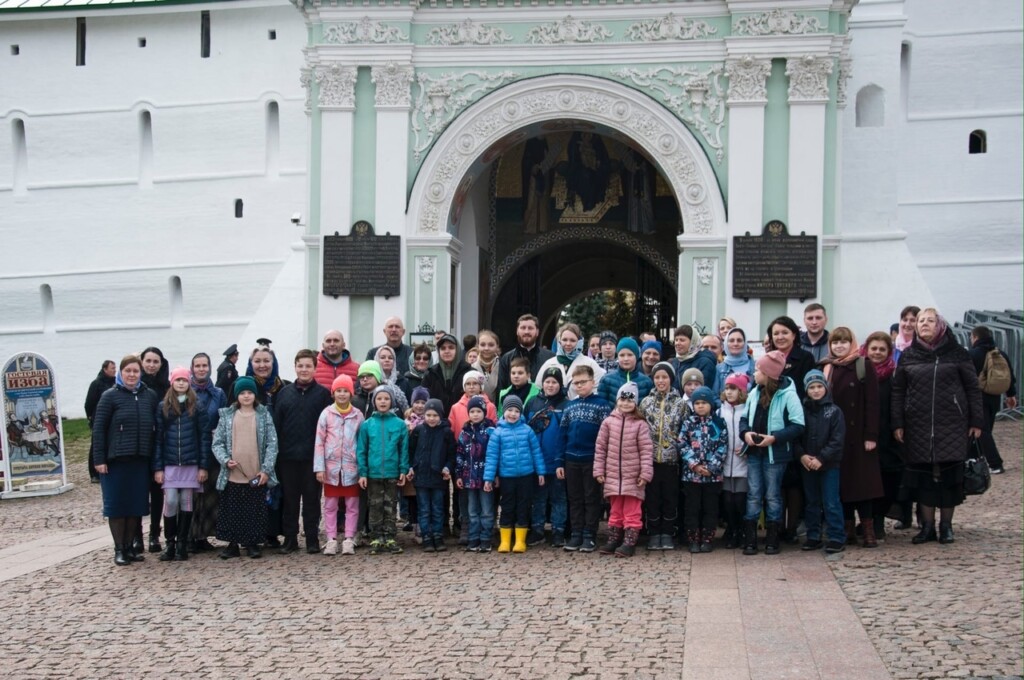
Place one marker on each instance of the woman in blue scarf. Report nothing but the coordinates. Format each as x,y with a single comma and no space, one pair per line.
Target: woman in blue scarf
736,359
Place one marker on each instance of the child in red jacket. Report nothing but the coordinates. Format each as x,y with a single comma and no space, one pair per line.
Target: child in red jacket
624,463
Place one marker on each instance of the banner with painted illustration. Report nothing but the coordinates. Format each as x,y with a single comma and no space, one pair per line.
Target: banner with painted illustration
33,441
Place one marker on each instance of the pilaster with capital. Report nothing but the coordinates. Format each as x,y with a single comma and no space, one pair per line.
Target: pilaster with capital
748,78
337,87
808,78
394,86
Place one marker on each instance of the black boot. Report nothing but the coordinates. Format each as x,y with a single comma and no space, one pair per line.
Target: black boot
290,545
750,537
184,527
313,544
628,546
615,538
121,556
926,534
946,532
170,535
771,539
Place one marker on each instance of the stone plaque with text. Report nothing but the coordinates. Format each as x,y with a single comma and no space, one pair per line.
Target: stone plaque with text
362,263
775,264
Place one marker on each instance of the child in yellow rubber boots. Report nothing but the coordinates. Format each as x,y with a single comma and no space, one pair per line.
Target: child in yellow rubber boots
514,464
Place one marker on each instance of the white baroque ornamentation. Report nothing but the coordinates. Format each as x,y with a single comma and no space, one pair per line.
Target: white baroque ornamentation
492,123
468,33
747,78
568,30
698,99
808,78
337,86
670,27
845,71
393,83
306,80
425,267
705,268
363,31
440,98
776,22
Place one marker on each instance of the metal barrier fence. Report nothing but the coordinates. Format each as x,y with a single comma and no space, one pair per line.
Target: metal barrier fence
1007,329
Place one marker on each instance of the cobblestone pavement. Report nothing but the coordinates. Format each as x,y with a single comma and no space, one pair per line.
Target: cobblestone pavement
930,611
949,611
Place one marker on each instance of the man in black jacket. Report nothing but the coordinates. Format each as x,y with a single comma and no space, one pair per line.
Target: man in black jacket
297,408
227,373
103,382
982,343
527,333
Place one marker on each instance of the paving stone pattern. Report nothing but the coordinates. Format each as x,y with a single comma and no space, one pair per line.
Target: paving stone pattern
928,611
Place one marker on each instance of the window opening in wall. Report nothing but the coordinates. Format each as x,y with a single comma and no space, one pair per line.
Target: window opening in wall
49,317
905,77
80,41
15,50
20,155
177,303
238,208
271,34
145,149
273,138
978,142
870,109
204,34
142,42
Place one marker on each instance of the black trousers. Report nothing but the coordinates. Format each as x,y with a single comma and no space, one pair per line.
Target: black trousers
584,496
299,485
990,404
735,505
662,500
516,500
701,505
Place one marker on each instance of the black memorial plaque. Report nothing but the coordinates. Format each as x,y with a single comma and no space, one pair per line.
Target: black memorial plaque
362,263
775,264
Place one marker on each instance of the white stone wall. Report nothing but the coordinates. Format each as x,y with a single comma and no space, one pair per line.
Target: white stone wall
109,232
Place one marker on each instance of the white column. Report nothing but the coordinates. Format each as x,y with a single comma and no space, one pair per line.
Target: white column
336,102
746,102
393,102
808,96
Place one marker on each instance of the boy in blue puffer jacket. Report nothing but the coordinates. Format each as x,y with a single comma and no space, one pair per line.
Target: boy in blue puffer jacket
544,416
514,459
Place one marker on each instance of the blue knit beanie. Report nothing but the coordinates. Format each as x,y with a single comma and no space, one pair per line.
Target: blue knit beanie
813,376
629,344
703,394
651,344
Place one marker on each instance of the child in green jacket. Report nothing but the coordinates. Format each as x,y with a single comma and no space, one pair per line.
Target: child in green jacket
382,450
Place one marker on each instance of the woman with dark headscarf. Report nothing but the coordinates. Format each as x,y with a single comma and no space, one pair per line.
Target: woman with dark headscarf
156,376
936,407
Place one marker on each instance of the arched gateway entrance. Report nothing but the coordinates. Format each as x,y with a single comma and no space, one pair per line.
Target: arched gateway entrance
552,188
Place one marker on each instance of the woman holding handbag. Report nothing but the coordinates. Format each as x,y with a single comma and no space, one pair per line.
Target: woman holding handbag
936,406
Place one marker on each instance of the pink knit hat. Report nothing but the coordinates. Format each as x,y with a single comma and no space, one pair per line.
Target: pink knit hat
738,380
342,381
179,373
772,364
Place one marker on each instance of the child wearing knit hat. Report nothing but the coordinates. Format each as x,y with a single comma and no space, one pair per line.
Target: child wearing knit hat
472,386
820,451
470,457
772,421
629,370
336,465
432,458
703,443
734,473
382,451
664,410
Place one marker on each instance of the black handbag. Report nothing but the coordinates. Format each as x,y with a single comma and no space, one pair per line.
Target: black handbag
977,476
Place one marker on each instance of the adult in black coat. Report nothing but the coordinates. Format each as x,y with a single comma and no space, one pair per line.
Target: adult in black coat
227,372
444,379
527,345
936,405
156,376
981,344
878,349
103,382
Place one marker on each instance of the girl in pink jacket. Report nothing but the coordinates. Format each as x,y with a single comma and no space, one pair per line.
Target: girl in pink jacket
335,465
624,463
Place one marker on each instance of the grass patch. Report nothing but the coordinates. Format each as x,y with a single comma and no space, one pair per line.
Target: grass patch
76,429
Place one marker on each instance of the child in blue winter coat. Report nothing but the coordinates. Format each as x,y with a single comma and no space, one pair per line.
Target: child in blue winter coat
703,444
544,416
470,459
514,461
432,450
820,450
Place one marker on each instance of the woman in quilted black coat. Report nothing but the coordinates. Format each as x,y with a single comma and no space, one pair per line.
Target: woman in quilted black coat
936,405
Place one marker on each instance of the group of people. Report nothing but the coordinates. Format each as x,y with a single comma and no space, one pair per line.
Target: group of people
815,433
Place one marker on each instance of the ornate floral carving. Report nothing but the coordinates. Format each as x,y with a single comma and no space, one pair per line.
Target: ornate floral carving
747,78
468,33
568,30
306,80
440,98
808,78
337,86
508,114
363,31
393,83
776,22
845,71
425,267
705,270
670,27
697,98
